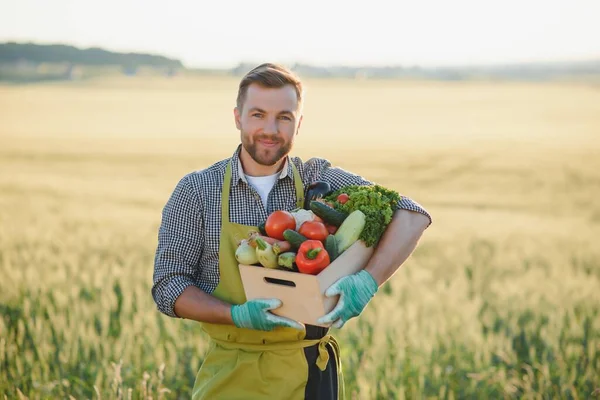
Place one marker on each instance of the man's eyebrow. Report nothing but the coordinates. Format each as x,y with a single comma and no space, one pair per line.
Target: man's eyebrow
255,109
260,110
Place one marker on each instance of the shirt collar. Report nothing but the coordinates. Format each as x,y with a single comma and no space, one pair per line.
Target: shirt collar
237,171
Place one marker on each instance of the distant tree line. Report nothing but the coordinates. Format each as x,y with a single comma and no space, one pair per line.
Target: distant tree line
57,53
12,54
535,71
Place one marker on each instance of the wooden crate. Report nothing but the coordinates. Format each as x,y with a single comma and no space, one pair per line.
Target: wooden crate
303,295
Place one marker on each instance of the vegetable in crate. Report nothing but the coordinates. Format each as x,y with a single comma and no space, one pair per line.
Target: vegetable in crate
277,222
287,260
253,235
312,257
246,254
376,202
350,230
301,216
332,247
314,191
314,230
281,246
265,254
294,238
261,228
329,214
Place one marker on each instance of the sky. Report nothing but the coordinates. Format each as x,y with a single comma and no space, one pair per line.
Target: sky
222,33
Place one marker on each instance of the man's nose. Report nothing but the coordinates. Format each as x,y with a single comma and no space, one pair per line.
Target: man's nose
271,126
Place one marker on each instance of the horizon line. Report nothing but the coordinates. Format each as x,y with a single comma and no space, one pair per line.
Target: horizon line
554,60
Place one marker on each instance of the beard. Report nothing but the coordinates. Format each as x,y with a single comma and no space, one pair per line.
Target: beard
267,156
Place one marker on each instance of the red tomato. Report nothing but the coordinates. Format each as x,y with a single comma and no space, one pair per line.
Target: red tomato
314,230
343,198
278,222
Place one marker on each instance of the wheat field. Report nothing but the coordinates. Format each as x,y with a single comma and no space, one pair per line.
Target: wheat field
500,300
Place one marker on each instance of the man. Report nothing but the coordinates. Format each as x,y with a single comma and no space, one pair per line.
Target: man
255,354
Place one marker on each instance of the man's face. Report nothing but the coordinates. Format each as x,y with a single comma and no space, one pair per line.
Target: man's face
268,121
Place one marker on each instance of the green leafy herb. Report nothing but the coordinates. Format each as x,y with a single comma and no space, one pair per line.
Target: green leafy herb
376,202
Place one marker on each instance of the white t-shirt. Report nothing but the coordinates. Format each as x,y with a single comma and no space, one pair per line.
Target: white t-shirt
263,185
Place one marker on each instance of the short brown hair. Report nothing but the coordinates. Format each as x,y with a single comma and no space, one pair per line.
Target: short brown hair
269,75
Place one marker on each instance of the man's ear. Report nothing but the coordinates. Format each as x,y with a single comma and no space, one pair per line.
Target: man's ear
236,115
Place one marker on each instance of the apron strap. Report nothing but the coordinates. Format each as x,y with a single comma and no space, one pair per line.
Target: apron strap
299,186
225,195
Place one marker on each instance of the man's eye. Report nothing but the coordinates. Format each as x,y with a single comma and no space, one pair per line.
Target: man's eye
286,118
257,115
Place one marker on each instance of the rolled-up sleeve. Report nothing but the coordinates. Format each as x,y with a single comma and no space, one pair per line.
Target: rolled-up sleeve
180,242
409,204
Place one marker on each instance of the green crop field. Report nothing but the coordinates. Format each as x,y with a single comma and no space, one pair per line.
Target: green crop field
500,300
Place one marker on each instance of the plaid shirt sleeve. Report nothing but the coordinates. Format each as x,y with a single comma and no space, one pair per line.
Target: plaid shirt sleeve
321,169
180,243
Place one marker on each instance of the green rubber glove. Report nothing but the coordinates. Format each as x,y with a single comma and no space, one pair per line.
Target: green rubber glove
355,293
254,314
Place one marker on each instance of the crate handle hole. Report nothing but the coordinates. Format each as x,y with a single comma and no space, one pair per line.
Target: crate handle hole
281,282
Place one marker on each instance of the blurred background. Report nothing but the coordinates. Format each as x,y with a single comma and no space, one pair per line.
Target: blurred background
486,113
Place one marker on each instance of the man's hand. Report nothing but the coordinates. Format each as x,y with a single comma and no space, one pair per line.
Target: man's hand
254,314
355,293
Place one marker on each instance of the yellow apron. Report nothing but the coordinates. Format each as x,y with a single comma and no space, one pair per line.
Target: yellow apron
251,364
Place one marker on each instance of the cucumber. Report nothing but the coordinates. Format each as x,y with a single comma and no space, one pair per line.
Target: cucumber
331,247
328,214
294,238
350,230
262,230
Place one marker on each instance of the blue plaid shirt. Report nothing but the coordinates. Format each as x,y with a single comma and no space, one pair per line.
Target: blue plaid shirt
188,237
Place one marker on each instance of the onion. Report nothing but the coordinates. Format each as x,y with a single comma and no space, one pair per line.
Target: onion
246,254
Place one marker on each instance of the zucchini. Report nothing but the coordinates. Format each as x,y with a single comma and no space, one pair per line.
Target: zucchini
350,230
328,214
331,247
294,238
